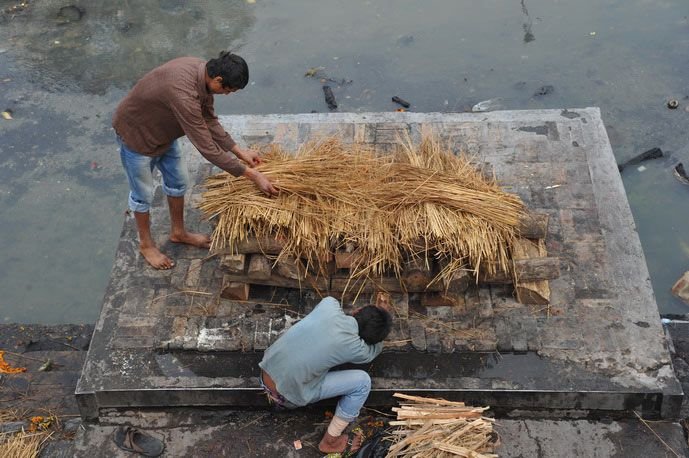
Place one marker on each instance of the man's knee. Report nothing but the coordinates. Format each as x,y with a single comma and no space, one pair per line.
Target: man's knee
364,384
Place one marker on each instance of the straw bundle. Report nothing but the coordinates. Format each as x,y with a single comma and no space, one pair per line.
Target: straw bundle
438,428
422,200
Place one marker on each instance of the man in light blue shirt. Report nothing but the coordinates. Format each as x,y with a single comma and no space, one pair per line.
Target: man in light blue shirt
296,369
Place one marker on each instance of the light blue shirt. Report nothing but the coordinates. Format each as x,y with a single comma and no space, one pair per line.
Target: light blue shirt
327,337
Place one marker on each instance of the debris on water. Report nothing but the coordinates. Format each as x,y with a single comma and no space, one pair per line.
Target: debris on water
94,165
641,168
681,174
653,153
7,114
405,40
486,105
69,13
672,104
313,71
593,34
329,97
544,90
401,110
400,101
47,366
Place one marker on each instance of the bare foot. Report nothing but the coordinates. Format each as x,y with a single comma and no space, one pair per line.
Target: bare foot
192,238
156,259
337,444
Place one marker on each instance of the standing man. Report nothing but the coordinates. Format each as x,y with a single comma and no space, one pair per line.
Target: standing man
170,101
296,369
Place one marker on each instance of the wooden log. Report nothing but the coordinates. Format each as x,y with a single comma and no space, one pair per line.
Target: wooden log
439,299
259,267
461,281
290,268
346,259
320,284
233,290
233,263
531,269
530,292
266,245
388,284
533,226
417,273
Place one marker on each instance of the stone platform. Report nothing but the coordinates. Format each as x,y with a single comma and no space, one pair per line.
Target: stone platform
166,338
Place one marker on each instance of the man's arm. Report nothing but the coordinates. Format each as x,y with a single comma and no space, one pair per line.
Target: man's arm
188,113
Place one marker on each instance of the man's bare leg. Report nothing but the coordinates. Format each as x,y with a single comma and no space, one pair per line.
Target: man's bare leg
147,246
178,233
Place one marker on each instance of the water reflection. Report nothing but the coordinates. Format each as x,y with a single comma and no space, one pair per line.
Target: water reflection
69,62
99,44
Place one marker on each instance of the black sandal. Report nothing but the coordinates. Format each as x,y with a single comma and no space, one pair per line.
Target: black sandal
132,440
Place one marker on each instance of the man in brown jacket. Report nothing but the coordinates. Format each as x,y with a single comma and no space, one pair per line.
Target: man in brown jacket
170,101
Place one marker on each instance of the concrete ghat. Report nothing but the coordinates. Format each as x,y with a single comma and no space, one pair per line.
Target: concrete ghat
165,338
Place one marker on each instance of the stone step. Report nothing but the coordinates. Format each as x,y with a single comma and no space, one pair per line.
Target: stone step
504,381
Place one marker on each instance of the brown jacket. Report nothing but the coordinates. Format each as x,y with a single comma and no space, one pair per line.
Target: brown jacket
171,101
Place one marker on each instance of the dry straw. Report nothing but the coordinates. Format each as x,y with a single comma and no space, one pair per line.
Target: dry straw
423,200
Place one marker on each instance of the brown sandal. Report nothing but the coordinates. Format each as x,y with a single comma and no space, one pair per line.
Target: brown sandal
132,440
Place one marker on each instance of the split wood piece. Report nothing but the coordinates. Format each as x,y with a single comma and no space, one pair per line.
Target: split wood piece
461,281
265,245
290,268
233,263
341,283
432,401
234,290
417,273
440,299
530,292
527,270
533,225
259,267
346,259
320,284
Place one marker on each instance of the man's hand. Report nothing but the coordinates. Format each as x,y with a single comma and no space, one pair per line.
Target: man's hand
249,156
261,181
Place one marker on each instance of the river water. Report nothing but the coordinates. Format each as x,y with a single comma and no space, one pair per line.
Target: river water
64,65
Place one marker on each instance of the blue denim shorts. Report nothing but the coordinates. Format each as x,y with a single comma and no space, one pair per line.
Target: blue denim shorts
139,170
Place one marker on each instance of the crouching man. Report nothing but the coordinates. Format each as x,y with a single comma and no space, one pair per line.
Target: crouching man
296,369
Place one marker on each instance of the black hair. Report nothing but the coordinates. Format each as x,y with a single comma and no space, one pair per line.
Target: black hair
231,67
374,324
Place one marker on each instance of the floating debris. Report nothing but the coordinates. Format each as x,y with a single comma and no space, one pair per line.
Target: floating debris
672,104
681,174
544,90
7,114
69,14
402,102
314,71
329,97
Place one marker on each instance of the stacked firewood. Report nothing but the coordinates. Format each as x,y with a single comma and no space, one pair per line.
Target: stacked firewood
422,220
259,261
428,427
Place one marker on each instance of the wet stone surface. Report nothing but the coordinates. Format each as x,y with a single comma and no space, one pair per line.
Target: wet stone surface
584,341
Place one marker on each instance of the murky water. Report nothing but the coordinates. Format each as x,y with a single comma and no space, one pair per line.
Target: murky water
64,65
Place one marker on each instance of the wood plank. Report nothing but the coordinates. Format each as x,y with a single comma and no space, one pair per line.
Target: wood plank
534,225
388,284
320,284
233,263
528,269
233,290
260,267
530,292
